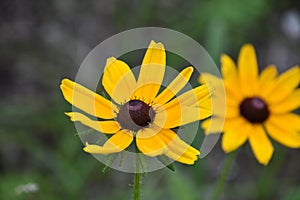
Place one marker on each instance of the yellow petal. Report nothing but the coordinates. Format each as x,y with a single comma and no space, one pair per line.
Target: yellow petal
235,137
152,72
292,102
101,126
261,145
212,125
178,115
155,54
171,154
192,98
206,102
248,69
118,80
292,119
285,85
178,149
229,111
149,142
118,142
216,86
217,124
175,86
267,82
212,82
287,135
228,68
268,74
87,100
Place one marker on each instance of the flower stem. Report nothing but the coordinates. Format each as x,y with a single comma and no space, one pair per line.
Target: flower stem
222,178
137,175
137,186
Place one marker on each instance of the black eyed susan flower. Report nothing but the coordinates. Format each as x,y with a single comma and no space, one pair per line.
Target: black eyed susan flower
136,111
257,106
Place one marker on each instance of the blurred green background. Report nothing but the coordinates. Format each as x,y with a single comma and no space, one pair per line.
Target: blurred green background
45,41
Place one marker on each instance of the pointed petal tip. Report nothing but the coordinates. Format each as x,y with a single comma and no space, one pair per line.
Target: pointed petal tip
187,72
190,69
248,49
86,149
223,56
152,42
66,81
265,161
156,45
201,79
226,149
71,115
110,60
248,45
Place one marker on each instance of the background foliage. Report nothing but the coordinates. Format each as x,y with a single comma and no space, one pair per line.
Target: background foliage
45,41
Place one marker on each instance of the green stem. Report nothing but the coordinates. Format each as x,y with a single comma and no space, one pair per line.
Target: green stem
137,175
137,186
222,178
267,180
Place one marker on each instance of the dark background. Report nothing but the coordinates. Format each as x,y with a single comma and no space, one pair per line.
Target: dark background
42,42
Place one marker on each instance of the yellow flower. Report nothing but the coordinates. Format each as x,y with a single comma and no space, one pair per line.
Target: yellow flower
257,106
136,111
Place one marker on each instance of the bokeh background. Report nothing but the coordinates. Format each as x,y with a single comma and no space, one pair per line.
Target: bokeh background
45,41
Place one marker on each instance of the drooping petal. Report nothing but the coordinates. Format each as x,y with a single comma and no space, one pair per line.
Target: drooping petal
152,72
175,86
107,127
261,145
285,85
292,102
248,70
118,80
149,142
285,129
118,142
178,149
236,136
86,100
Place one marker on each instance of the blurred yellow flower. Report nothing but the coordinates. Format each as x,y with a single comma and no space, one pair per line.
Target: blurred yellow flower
136,111
257,106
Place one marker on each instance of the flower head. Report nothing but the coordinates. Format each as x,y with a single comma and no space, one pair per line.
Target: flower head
137,111
257,106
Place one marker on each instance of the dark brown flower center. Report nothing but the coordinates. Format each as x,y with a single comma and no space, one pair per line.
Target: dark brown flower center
254,109
135,114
